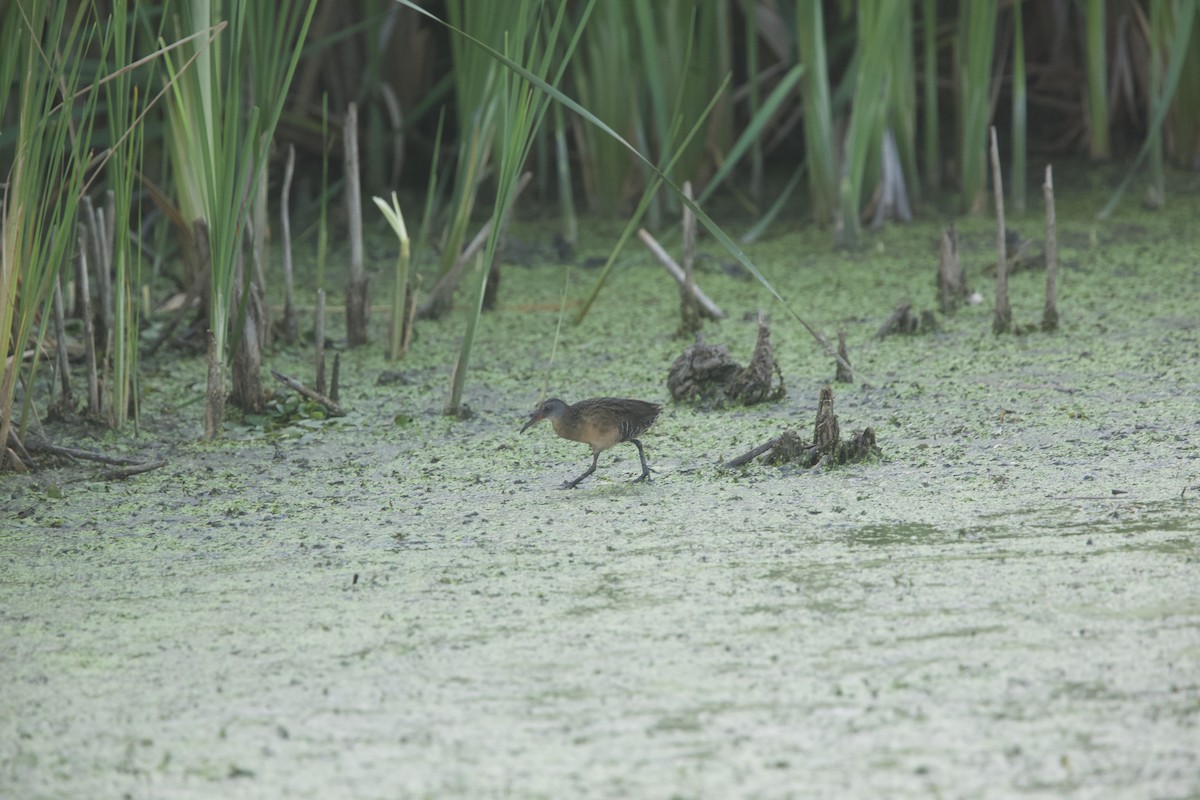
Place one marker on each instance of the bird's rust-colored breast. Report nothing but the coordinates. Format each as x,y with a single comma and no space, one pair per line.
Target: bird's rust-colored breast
599,432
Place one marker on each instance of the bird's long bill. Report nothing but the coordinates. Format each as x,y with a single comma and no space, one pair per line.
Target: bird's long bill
533,420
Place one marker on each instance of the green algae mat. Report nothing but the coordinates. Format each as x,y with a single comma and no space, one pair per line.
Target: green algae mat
395,604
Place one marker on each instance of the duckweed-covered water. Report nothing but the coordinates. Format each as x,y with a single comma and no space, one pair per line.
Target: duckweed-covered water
399,605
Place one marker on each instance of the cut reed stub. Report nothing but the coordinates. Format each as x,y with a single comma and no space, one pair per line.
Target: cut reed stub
845,373
1050,312
357,302
1002,320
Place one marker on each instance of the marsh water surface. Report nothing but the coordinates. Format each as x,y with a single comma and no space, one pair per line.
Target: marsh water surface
397,604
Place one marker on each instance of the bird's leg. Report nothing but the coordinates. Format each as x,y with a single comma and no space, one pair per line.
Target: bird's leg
645,476
591,469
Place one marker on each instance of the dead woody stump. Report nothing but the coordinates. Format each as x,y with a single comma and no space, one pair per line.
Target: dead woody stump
825,448
705,374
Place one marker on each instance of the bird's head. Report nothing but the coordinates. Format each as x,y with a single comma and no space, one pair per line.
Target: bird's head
549,409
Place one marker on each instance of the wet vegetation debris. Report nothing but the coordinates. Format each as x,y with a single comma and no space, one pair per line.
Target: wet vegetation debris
1020,254
120,466
952,287
390,377
287,411
904,320
699,375
826,447
705,374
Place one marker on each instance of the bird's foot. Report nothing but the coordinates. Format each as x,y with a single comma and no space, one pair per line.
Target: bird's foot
569,484
643,478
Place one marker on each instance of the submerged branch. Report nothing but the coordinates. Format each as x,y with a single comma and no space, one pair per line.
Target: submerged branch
331,406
